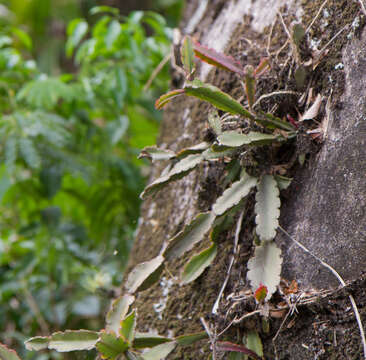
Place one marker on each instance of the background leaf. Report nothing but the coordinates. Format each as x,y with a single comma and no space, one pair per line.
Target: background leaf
198,263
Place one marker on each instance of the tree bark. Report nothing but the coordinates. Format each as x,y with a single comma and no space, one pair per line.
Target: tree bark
324,208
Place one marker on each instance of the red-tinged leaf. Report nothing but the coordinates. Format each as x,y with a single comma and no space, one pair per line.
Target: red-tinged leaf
8,354
219,60
164,99
261,293
250,84
228,346
262,67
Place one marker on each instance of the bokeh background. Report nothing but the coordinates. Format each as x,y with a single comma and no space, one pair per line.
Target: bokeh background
76,107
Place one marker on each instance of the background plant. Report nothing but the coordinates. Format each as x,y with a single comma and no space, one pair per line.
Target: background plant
69,178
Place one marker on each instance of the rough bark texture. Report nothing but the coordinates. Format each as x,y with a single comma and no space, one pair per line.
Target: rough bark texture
324,208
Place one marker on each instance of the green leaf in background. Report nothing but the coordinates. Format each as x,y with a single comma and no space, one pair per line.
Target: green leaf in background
189,236
159,352
110,346
265,268
147,340
103,9
189,339
198,263
267,208
23,37
118,311
76,30
254,342
128,324
8,354
72,340
142,272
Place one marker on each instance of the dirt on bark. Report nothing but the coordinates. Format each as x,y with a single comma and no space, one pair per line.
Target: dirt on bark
324,208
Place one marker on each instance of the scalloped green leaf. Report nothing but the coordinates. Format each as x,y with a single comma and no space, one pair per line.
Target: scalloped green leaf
154,153
119,309
110,346
159,352
179,170
147,340
214,153
235,139
215,122
234,194
8,354
265,267
72,340
189,236
164,99
195,149
37,343
186,340
187,56
267,208
198,263
128,325
216,97
219,60
142,272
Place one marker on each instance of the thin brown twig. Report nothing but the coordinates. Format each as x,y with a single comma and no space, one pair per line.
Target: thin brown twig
316,16
36,311
211,337
342,282
236,240
156,71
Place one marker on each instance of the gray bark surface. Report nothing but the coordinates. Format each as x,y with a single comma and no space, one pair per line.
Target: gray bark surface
324,208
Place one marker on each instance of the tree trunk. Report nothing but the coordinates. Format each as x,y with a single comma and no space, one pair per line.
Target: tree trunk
324,208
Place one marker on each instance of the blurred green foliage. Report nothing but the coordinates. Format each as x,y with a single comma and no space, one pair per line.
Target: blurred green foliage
69,178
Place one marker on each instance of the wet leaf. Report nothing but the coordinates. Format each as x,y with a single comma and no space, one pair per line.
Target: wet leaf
189,236
234,194
117,312
198,263
234,139
219,60
179,170
141,273
216,97
267,208
164,99
72,340
265,267
110,346
159,352
154,153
